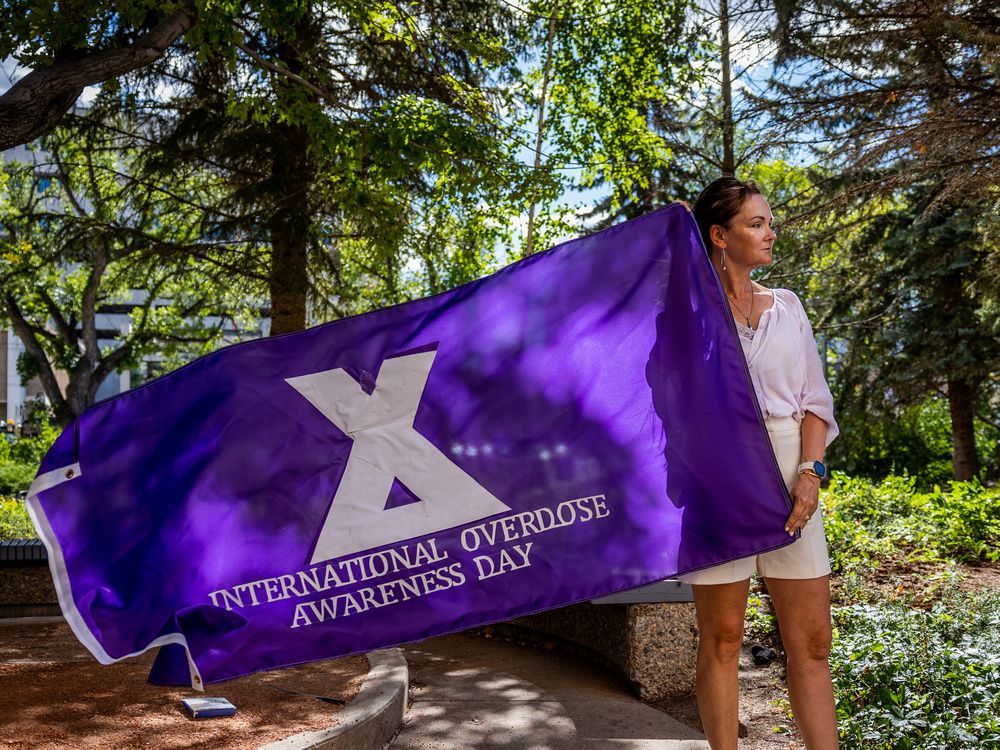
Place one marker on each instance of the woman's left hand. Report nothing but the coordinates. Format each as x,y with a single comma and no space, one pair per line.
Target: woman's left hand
805,496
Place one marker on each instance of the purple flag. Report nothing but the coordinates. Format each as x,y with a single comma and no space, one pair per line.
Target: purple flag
578,423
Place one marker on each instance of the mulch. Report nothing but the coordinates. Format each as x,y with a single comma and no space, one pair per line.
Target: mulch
53,694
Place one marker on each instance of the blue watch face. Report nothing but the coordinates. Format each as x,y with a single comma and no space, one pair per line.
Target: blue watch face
819,468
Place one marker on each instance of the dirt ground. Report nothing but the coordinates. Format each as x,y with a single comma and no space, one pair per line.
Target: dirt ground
53,694
764,720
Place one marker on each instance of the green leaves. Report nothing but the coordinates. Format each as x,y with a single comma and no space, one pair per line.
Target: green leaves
913,679
14,520
871,524
20,455
82,232
609,63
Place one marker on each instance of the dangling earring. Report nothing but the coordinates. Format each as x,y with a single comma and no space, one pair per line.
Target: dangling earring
723,259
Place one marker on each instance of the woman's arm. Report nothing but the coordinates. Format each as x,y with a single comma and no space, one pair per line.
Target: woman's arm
815,399
814,430
805,491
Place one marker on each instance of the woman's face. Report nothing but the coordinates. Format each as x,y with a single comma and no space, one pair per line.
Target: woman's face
749,238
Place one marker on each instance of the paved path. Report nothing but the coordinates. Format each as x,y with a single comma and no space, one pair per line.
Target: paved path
470,693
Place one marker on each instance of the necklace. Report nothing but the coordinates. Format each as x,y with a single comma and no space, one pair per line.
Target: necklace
733,303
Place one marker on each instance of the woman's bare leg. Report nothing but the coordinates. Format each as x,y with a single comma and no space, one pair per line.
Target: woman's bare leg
721,609
803,609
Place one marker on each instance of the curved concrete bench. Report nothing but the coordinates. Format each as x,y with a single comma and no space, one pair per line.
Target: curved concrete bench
369,721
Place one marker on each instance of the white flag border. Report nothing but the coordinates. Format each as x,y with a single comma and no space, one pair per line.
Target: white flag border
60,577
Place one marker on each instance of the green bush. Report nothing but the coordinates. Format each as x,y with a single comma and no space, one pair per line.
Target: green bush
20,457
867,521
908,679
15,478
14,520
31,450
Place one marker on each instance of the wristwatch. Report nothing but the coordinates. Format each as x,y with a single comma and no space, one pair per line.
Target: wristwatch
815,467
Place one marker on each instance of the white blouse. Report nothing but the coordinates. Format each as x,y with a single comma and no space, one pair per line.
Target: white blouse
784,363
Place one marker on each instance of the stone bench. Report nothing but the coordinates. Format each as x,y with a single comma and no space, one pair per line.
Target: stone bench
648,634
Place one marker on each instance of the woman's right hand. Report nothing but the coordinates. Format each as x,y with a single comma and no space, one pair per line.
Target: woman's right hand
805,496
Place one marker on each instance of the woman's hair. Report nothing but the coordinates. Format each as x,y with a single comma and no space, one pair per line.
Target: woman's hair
719,202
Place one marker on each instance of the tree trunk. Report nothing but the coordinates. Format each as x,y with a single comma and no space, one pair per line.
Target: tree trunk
46,374
289,230
961,401
539,136
292,174
78,391
728,152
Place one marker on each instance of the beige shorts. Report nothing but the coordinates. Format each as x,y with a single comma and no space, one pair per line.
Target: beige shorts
807,556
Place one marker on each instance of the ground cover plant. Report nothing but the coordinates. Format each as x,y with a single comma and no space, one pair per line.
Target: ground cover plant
916,609
907,679
915,661
891,522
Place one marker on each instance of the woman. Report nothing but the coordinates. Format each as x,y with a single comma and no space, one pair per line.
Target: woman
736,225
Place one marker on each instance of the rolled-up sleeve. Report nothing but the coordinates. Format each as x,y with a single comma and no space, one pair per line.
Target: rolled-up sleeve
815,396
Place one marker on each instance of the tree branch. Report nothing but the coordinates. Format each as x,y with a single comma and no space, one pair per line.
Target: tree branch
35,103
67,330
308,85
106,366
46,374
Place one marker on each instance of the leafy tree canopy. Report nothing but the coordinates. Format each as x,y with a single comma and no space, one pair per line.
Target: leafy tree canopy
81,239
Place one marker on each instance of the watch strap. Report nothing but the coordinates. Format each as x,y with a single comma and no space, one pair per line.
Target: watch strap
811,468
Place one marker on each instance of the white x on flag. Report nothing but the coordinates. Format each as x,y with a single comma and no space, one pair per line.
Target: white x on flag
387,447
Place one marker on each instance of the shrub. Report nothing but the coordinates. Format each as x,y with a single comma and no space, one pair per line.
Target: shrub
14,520
867,521
15,478
907,679
963,522
31,449
20,456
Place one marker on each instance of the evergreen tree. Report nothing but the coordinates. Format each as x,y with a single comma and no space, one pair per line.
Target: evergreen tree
893,91
913,292
341,133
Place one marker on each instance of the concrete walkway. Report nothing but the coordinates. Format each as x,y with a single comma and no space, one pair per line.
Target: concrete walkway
469,692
